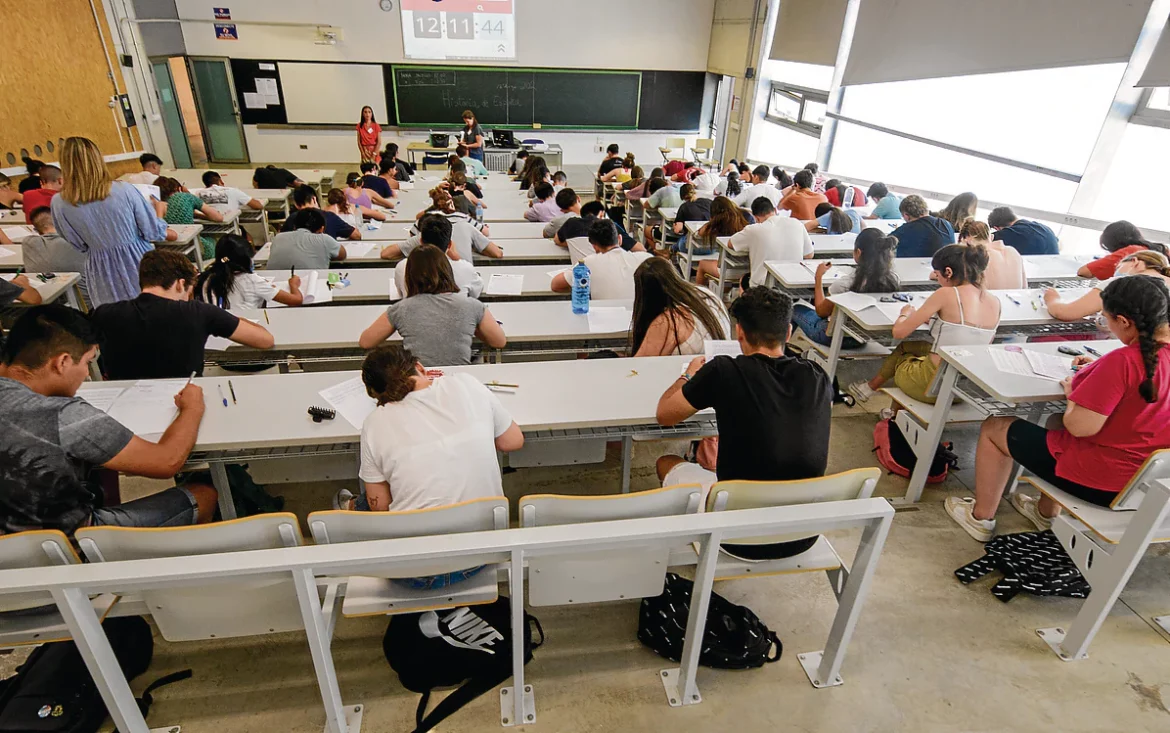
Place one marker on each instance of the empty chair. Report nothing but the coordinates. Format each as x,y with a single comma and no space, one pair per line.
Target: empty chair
574,578
702,152
673,144
259,604
370,595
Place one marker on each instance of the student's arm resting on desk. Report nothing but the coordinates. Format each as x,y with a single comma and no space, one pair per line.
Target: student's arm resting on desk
293,296
210,213
251,334
377,332
391,252
486,247
490,332
162,460
673,407
560,283
379,200
341,254
1086,305
255,204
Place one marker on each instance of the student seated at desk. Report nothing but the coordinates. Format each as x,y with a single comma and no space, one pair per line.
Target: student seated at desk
1146,263
179,207
161,333
671,315
886,204
726,220
759,188
773,410
377,185
337,202
783,180
518,163
569,204
1028,237
304,200
467,185
18,290
1005,265
560,180
688,173
545,208
464,199
38,198
537,172
54,440
270,176
662,195
845,196
1120,239
692,208
731,187
611,268
960,313
8,197
468,238
231,283
922,235
48,251
401,169
830,219
819,179
612,161
874,254
306,245
214,192
801,199
772,238
357,195
436,230
1118,413
151,169
574,235
436,318
31,181
474,167
960,209
706,183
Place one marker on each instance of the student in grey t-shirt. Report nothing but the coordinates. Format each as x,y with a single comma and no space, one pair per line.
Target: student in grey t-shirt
50,252
466,237
436,320
307,246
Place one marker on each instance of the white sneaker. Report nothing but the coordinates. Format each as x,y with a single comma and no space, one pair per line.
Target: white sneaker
344,500
887,413
1029,506
960,508
860,391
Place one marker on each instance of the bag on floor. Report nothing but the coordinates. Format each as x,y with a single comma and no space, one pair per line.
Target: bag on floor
1032,562
468,647
896,456
53,692
734,637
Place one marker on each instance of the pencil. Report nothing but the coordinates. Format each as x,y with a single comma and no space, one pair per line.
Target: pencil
266,318
494,383
189,380
233,391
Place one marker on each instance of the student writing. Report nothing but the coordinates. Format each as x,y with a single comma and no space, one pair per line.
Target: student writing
611,268
48,251
230,283
305,244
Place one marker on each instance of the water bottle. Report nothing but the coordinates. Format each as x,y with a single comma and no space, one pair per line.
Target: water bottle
580,289
479,212
357,216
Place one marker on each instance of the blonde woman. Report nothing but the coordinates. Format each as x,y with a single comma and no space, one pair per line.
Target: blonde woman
1005,265
108,220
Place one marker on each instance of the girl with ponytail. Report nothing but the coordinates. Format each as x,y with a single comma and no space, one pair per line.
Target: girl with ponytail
1147,263
1118,414
1120,239
230,283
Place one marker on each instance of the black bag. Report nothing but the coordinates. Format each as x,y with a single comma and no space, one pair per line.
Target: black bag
896,456
53,692
469,647
734,637
1034,562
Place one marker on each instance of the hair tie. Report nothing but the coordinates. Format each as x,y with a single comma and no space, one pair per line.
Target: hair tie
225,260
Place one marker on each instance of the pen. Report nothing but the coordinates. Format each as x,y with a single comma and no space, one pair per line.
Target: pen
233,391
494,383
294,271
189,380
220,388
1093,351
1013,299
266,318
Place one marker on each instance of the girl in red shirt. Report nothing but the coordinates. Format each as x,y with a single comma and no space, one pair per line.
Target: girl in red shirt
1118,414
1120,239
369,134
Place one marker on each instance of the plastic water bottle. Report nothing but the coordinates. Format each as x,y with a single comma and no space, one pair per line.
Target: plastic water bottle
580,289
479,212
357,216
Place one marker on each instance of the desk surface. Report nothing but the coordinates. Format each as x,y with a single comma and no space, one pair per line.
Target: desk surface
1029,311
915,271
823,245
187,234
52,290
974,362
517,250
500,206
241,178
373,283
272,409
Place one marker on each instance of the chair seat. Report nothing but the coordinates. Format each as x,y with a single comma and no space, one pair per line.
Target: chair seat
366,596
818,558
867,350
1108,524
962,411
47,627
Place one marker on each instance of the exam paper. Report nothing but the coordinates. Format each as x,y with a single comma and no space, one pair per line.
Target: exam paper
100,397
1011,362
394,294
1050,366
358,249
713,348
554,273
148,406
5,252
856,301
17,233
314,289
609,319
505,285
350,400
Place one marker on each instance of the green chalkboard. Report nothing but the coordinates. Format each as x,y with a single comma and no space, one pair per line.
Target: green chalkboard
435,96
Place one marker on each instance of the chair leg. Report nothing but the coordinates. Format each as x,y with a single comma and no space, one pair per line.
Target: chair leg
681,688
319,647
517,703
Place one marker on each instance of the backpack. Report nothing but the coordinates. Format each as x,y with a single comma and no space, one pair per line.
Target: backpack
53,692
897,457
734,637
1034,562
469,647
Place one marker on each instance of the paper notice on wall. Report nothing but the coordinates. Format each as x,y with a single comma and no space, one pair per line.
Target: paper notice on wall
266,67
267,89
253,100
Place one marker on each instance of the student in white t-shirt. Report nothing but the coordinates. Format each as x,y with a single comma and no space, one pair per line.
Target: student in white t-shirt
230,283
611,268
759,188
214,192
772,238
436,229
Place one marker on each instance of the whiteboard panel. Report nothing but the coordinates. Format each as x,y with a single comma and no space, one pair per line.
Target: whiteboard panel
332,93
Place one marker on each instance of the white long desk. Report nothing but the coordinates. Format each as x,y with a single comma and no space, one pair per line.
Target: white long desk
241,178
493,182
271,420
366,254
398,229
61,285
500,207
188,242
372,284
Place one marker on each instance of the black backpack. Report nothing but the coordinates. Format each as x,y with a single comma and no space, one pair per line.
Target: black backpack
53,692
1033,562
896,455
468,647
734,637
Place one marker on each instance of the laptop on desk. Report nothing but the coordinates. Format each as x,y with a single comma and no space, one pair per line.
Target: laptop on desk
504,139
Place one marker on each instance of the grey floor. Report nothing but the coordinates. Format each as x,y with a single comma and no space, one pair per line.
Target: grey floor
929,654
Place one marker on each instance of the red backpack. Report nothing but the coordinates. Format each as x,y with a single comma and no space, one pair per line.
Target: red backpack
896,456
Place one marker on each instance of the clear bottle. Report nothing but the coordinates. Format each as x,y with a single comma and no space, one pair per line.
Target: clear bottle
479,212
357,215
580,289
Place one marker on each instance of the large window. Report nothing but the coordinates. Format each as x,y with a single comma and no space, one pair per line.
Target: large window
796,107
1154,108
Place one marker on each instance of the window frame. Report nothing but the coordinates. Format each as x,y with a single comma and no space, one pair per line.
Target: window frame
800,95
1147,115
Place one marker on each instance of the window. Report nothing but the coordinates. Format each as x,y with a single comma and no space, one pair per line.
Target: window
799,108
1153,108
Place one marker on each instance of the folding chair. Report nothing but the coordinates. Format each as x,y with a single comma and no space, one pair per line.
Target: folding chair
1107,543
702,152
673,144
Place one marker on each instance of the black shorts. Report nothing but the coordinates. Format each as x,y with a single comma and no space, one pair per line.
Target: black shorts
1028,445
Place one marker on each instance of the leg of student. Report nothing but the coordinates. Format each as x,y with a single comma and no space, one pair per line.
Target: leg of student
890,364
177,506
914,377
993,465
707,271
666,463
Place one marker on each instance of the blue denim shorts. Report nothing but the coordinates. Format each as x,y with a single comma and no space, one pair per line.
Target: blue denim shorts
175,507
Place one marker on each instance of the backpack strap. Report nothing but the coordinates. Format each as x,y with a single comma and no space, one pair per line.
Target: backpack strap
470,690
147,698
777,645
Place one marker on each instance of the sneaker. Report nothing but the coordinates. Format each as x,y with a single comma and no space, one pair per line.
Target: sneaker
344,500
1029,506
960,508
887,413
860,391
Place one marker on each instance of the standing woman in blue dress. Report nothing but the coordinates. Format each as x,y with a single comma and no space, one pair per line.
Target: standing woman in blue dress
110,221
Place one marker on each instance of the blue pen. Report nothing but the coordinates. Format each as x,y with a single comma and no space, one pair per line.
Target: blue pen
1093,351
220,388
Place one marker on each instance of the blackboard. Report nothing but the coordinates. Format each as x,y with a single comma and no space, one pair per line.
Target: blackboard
245,72
672,100
436,97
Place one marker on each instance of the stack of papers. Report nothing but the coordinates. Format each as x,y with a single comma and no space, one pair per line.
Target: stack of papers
147,407
505,285
358,249
350,400
17,233
712,349
1028,363
609,319
859,302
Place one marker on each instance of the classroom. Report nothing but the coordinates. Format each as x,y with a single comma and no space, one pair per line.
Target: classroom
411,365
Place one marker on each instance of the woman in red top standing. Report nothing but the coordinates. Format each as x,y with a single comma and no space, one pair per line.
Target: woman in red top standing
1118,414
369,134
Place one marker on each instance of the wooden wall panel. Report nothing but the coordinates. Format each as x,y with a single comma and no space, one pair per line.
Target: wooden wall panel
55,82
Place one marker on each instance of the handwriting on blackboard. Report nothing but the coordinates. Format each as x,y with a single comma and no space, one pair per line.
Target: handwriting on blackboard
425,78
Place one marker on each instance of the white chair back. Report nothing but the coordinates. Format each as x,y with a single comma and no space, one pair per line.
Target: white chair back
729,495
35,549
676,143
1156,467
704,145
251,606
604,575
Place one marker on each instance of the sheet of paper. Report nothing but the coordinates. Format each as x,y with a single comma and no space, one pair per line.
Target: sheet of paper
17,233
358,249
1012,362
554,273
856,301
254,100
148,191
5,252
374,225
891,310
100,397
609,319
266,67
350,400
148,406
505,285
1050,366
394,294
267,90
8,276
713,348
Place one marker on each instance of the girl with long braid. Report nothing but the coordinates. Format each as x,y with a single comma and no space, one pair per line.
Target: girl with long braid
1118,414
